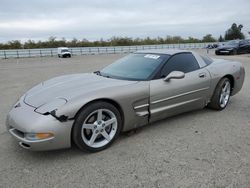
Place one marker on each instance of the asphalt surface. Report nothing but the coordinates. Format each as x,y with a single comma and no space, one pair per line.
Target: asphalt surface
203,148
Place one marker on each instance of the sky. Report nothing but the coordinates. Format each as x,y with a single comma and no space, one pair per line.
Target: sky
96,19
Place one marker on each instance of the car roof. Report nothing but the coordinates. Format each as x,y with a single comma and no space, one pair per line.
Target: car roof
163,51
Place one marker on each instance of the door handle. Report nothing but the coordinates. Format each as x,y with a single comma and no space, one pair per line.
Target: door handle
202,75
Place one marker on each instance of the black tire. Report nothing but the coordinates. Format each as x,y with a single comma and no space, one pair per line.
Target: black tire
215,100
69,55
234,52
78,129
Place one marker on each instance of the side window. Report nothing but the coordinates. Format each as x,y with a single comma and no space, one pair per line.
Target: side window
184,62
243,42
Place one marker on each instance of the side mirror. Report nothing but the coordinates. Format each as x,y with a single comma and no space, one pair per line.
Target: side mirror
174,75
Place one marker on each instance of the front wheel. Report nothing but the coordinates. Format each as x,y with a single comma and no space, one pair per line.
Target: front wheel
234,52
221,95
96,126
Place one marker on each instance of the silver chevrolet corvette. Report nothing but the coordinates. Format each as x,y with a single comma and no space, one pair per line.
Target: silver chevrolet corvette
90,110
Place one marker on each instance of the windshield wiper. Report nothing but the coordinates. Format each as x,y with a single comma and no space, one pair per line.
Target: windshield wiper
99,73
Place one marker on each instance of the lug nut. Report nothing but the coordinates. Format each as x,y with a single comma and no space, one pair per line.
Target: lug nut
96,131
103,125
95,127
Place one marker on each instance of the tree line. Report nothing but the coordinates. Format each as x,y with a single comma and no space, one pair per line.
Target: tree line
234,32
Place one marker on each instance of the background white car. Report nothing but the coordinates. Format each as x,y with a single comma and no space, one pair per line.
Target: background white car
63,52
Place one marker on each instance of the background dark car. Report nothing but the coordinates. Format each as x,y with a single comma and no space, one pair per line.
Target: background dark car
212,46
234,47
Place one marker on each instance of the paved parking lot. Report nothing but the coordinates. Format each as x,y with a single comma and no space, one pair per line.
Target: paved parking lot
203,148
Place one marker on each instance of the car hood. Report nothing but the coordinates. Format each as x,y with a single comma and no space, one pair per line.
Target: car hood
68,87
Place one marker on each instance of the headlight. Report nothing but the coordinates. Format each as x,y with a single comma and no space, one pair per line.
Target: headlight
38,136
50,106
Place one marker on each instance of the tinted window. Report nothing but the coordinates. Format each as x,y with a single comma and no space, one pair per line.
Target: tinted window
233,43
134,66
184,62
207,60
244,42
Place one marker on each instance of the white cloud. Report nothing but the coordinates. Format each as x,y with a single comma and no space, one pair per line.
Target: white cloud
103,19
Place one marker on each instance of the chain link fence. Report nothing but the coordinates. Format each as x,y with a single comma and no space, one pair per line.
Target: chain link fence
21,53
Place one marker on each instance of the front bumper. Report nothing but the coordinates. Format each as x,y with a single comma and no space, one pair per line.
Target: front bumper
23,119
223,52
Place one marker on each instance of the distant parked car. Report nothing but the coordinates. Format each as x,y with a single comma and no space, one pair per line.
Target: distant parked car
212,46
234,47
63,52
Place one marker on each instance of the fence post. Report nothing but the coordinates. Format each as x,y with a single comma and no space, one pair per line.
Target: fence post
89,50
114,49
4,54
81,50
98,50
40,53
51,53
29,53
17,54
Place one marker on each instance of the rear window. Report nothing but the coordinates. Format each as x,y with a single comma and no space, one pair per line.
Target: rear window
207,60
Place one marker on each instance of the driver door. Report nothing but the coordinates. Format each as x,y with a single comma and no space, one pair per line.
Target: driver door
175,96
244,46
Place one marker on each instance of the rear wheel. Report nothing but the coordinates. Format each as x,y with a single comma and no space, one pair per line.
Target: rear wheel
221,95
96,126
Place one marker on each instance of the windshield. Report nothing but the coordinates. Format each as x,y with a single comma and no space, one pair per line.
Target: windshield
134,66
233,42
65,50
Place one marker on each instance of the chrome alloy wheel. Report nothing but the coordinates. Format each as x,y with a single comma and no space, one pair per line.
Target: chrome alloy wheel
99,128
225,94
